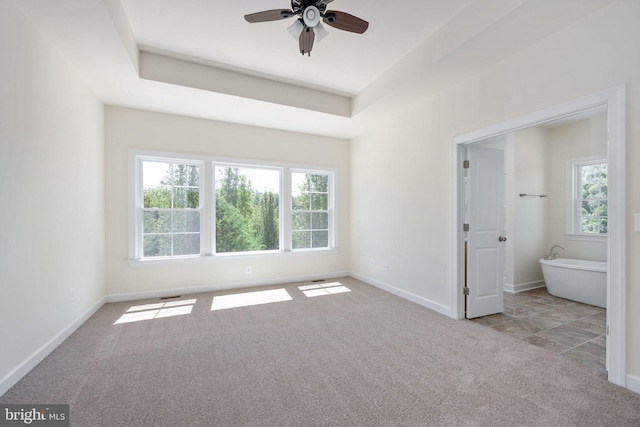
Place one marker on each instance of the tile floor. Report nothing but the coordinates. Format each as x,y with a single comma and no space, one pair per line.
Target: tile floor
574,330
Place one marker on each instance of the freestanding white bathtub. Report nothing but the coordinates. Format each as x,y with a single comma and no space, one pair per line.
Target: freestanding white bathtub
577,280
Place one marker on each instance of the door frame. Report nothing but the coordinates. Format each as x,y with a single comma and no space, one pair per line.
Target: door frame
614,100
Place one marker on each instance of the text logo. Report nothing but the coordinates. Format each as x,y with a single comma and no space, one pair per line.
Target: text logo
34,415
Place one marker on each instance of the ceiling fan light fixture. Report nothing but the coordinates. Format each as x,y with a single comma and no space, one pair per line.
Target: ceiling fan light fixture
311,16
295,29
320,31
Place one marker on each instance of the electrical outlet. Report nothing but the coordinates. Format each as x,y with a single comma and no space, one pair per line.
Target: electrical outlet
247,270
73,294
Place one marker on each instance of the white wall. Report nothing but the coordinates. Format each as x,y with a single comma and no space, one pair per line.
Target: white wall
530,213
51,187
141,130
401,171
580,139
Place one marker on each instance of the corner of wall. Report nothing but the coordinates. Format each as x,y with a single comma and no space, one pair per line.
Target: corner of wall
16,374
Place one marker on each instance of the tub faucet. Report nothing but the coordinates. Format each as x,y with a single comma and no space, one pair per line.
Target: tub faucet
551,254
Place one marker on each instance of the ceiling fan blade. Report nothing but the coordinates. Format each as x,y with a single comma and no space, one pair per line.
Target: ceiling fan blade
345,21
307,36
269,15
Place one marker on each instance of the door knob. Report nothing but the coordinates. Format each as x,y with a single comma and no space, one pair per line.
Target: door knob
502,239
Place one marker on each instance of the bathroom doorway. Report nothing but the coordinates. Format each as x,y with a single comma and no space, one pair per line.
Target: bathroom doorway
611,102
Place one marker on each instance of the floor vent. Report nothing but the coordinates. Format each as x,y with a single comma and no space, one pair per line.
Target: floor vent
165,298
318,281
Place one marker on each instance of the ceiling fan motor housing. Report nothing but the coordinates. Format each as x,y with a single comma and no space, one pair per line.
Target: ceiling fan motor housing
311,16
300,7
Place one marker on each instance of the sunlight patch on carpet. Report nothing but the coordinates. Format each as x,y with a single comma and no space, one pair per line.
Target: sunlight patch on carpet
247,299
317,290
138,313
161,305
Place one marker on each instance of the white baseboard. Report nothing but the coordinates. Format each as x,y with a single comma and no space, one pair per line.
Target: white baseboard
521,287
633,383
442,309
160,293
38,356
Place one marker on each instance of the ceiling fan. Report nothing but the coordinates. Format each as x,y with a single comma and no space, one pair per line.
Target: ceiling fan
308,26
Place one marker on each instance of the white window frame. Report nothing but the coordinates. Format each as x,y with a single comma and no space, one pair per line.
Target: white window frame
330,208
280,170
573,206
207,206
136,203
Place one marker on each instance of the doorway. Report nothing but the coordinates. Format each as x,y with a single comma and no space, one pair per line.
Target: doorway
613,101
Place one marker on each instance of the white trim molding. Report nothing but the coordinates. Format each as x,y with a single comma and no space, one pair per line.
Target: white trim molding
442,309
613,100
633,383
16,374
521,287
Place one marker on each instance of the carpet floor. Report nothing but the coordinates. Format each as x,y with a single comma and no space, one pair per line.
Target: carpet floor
325,354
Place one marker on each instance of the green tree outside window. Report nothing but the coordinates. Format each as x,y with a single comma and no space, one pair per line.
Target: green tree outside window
310,205
171,209
593,199
246,219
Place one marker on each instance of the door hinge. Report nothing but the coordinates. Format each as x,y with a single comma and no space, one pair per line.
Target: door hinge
465,227
465,291
465,164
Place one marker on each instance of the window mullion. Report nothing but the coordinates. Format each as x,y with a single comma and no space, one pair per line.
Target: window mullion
173,205
207,210
139,250
286,211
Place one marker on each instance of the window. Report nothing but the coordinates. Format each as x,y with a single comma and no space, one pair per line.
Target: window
247,209
589,198
592,198
198,207
310,210
170,209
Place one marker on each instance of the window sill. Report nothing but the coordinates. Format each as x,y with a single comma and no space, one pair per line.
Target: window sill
586,237
228,257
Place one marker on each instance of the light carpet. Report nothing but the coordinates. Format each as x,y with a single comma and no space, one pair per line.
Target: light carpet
358,358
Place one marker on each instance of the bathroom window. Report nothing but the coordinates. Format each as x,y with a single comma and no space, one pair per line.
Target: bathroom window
589,198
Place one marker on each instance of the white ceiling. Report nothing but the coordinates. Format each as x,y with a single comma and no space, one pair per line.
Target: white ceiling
343,62
221,67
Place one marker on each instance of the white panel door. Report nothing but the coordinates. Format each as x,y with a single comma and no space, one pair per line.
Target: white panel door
485,239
